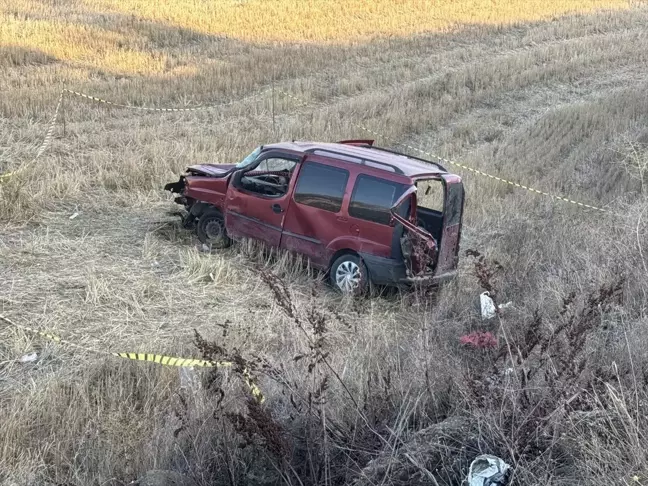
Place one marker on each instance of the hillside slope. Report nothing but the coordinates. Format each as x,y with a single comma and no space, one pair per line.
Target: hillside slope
89,251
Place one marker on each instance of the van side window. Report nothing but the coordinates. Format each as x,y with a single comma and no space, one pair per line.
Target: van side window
372,198
321,186
270,178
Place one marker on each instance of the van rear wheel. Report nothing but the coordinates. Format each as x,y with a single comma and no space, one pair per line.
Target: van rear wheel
349,275
211,229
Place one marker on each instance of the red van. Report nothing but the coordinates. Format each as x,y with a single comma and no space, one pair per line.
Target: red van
364,214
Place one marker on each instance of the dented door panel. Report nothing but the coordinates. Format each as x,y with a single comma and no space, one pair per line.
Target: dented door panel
447,259
253,215
312,230
452,221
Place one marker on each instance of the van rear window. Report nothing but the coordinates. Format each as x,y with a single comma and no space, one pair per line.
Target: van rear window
372,198
321,186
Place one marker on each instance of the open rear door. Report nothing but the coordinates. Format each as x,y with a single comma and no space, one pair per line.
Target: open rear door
421,250
418,245
452,217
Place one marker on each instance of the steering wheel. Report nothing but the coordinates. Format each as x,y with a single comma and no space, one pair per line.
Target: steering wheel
275,177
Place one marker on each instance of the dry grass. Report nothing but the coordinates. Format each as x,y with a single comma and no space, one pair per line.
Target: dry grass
341,21
558,103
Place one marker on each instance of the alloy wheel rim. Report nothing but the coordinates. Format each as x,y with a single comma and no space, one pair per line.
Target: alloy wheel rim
348,276
213,229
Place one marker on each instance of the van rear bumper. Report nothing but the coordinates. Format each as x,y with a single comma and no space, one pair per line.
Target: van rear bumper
388,271
384,271
431,279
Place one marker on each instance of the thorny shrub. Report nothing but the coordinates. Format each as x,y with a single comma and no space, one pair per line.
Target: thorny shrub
543,373
299,439
530,378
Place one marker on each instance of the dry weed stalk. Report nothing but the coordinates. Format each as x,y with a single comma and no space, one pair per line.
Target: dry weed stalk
543,373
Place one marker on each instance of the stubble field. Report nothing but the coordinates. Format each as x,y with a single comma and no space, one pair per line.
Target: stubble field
551,95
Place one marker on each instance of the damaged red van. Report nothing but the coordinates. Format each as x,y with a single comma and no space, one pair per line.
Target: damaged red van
365,215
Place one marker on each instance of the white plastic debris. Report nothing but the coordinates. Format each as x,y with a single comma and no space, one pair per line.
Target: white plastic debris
488,305
29,358
74,215
487,470
189,378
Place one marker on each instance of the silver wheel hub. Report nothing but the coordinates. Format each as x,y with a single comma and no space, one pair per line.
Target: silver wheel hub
213,229
348,276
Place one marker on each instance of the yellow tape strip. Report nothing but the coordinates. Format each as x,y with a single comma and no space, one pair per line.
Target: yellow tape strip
149,357
170,360
50,130
146,108
462,166
46,141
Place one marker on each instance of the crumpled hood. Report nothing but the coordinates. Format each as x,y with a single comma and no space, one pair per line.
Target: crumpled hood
214,170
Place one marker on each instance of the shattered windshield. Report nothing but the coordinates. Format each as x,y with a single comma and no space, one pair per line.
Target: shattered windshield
249,159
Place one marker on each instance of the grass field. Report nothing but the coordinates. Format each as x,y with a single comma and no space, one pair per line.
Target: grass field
548,94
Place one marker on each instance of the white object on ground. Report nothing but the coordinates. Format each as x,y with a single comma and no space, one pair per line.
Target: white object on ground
29,358
74,215
487,304
189,378
487,470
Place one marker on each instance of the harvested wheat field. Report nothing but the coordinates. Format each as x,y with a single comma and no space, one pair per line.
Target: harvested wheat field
392,389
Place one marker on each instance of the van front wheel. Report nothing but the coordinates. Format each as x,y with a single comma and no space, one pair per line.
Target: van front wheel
211,230
349,275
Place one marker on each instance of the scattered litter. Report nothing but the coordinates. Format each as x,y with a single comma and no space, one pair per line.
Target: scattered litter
487,470
74,215
488,310
29,358
479,340
189,378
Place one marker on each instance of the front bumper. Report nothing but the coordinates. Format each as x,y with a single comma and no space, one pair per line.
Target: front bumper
177,187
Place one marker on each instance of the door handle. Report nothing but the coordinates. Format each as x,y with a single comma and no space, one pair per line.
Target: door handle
343,219
277,209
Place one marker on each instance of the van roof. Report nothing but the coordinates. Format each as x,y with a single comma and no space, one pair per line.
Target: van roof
401,163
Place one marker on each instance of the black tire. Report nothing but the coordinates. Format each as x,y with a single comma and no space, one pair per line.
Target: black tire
211,229
350,265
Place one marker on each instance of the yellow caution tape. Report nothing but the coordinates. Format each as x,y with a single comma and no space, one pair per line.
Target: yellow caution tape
50,130
500,179
149,357
463,166
48,138
43,146
146,108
